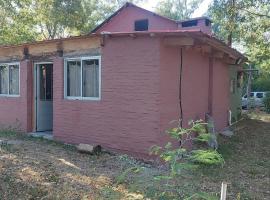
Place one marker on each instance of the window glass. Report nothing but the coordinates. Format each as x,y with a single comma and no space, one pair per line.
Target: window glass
141,25
14,79
46,82
189,23
259,95
90,71
3,79
252,94
74,78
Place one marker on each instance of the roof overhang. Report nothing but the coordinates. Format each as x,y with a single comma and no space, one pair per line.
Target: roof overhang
220,48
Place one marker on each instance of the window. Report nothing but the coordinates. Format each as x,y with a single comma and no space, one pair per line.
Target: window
141,25
46,82
190,23
259,95
9,79
82,78
207,22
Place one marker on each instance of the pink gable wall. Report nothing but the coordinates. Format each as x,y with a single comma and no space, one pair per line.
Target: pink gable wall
124,21
127,117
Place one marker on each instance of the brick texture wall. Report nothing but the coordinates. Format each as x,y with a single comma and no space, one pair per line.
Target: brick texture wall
14,110
124,21
127,116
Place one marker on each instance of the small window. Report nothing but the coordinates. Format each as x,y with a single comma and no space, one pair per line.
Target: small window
141,25
207,22
9,79
252,94
190,23
82,78
259,95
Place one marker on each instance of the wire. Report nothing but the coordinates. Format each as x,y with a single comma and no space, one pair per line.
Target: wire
180,87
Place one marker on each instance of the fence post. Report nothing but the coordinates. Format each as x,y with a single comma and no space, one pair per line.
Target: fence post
223,191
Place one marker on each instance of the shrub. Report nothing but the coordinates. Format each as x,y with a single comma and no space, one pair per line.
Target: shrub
181,159
266,102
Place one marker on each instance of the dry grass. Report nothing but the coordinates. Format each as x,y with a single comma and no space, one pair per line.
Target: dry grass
39,169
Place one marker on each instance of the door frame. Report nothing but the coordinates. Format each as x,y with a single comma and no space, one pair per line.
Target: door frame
36,64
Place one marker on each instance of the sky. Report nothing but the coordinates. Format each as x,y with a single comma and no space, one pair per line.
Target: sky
150,5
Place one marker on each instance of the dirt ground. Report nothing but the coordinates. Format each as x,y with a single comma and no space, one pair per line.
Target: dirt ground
32,168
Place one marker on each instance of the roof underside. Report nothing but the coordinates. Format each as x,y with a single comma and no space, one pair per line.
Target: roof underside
195,34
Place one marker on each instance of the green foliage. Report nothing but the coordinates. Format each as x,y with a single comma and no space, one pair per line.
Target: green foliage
261,83
202,196
266,102
31,20
177,9
179,158
206,157
122,177
247,24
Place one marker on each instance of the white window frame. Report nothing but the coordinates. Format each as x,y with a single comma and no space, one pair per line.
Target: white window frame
12,95
81,59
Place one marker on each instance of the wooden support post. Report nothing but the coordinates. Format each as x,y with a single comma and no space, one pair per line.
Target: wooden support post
223,191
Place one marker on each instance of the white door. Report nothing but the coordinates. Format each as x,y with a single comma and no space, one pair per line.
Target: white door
44,97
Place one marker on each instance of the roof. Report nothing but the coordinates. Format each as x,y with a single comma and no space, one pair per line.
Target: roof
196,18
127,4
194,33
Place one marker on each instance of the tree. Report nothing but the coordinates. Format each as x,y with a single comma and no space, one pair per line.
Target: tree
177,9
245,22
29,20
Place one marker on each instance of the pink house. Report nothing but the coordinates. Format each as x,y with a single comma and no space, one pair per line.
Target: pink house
121,85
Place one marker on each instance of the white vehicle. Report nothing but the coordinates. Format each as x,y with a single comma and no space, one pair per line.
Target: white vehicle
256,99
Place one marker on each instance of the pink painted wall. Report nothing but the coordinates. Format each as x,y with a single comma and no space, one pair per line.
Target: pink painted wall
221,93
127,116
124,21
194,86
13,110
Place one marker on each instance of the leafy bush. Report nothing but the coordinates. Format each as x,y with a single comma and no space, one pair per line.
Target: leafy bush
174,156
181,159
266,102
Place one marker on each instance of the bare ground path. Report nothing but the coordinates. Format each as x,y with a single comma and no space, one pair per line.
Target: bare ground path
32,168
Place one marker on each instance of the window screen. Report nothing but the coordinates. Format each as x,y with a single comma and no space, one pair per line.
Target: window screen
141,25
74,78
9,79
90,78
83,78
14,79
4,79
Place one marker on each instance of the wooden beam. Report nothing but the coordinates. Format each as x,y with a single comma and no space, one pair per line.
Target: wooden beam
179,41
206,48
218,54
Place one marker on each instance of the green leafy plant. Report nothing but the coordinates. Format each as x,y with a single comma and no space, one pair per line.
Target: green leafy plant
180,158
266,102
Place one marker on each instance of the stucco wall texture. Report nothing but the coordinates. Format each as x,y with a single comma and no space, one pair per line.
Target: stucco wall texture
124,21
139,91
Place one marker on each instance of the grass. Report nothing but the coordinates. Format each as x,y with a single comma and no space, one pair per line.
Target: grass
40,169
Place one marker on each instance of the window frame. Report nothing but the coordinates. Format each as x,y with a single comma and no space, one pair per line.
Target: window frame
8,65
141,20
81,59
